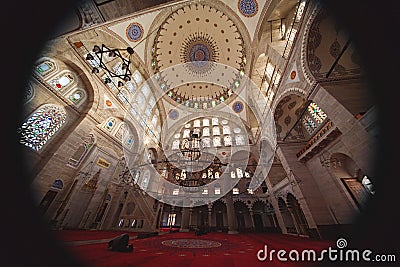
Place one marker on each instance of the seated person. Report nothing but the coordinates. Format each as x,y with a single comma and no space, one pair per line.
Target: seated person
120,243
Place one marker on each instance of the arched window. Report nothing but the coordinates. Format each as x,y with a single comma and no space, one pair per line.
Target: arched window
145,90
226,129
217,189
314,118
76,96
217,141
131,86
316,112
216,130
137,77
45,67
140,100
196,123
58,184
37,130
239,140
206,131
62,81
175,144
227,140
110,124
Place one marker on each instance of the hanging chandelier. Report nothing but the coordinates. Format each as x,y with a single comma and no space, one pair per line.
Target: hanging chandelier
124,74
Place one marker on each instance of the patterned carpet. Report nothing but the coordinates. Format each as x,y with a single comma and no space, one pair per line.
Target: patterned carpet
186,249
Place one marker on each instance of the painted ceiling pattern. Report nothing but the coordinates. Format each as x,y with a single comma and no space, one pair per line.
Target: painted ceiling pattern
327,42
198,37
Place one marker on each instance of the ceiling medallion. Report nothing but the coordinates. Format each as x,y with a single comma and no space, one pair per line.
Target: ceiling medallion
134,32
248,8
199,53
173,114
238,106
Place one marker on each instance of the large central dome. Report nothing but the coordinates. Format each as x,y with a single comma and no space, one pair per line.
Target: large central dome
197,38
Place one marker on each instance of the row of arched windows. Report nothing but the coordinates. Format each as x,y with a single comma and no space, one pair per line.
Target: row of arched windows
63,81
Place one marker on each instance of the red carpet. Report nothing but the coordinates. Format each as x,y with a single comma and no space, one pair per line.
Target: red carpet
234,250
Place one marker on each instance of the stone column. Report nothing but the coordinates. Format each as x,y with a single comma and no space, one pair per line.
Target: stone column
274,203
190,216
252,220
209,217
156,223
185,216
230,210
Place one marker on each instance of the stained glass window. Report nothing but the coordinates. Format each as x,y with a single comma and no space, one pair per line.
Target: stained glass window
309,124
41,126
62,81
58,184
316,112
110,124
128,140
76,96
46,67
